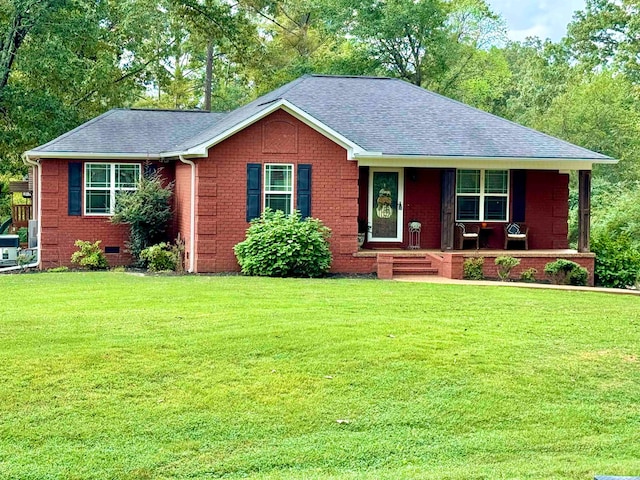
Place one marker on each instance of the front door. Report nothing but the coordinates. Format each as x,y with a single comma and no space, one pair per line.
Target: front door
386,190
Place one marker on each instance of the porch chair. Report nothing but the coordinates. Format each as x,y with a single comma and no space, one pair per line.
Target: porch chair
516,232
468,233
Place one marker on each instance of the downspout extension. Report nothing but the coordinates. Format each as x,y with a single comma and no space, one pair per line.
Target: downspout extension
192,229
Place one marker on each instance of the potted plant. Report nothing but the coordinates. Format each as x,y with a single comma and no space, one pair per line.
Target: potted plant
363,228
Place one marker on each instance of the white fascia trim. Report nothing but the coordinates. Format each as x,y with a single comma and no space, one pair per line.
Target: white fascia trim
564,164
351,147
92,155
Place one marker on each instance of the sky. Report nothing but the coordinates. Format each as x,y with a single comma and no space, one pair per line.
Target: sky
541,18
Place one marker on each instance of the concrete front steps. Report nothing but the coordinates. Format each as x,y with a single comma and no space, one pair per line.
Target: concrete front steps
406,263
413,266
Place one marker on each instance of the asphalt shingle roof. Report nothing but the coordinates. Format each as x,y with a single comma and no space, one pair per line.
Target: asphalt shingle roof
383,115
133,131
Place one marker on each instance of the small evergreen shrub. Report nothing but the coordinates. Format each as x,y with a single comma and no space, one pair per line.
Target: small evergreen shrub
473,268
90,255
617,260
160,258
505,264
566,272
529,275
279,245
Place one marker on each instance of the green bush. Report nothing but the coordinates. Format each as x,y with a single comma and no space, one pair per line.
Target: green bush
90,255
58,269
160,258
566,272
147,211
505,264
529,275
617,260
278,245
473,268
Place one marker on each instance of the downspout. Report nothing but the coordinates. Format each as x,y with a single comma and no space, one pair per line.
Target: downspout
192,229
36,164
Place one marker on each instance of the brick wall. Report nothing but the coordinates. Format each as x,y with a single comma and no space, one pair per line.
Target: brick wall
278,138
60,231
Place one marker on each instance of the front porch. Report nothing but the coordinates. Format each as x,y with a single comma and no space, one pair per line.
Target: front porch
449,264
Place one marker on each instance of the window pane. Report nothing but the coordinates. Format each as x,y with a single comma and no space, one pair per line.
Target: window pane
278,178
495,181
278,201
495,208
468,181
98,201
98,175
468,208
127,176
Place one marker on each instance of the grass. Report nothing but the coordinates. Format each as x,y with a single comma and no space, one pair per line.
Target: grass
113,376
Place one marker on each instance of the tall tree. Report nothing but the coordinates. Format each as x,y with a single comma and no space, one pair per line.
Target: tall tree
607,34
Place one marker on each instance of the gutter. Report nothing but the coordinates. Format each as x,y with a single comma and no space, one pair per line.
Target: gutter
36,164
192,214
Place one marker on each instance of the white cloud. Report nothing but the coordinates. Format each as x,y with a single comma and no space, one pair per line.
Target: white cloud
542,18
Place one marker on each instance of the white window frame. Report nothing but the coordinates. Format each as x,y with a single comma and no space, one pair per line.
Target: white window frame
111,188
266,192
483,194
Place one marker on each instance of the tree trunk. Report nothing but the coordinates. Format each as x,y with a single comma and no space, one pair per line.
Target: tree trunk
208,77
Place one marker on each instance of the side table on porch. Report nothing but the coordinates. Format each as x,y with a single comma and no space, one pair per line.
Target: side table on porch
414,235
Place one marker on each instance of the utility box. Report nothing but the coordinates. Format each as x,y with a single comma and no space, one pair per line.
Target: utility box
9,245
33,234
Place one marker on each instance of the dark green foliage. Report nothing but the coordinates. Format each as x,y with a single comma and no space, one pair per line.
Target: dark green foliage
473,268
90,255
278,245
566,272
617,260
147,211
505,264
529,275
160,258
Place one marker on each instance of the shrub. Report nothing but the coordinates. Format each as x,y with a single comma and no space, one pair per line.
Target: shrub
147,210
529,275
58,270
160,258
505,264
278,245
90,255
473,268
566,272
617,260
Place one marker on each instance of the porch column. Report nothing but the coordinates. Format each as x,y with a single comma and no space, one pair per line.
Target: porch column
447,208
584,209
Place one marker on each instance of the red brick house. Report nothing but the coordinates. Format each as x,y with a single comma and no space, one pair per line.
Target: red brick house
336,148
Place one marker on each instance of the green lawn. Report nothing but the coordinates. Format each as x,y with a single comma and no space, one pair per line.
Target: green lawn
115,376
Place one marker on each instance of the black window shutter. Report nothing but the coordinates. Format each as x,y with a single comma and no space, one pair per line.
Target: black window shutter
254,190
304,190
75,188
519,188
150,169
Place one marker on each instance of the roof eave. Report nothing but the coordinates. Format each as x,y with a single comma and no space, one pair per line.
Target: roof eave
94,155
529,163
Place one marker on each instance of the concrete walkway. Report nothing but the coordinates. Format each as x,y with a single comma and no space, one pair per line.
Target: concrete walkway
487,283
